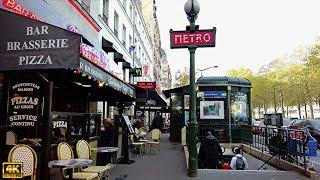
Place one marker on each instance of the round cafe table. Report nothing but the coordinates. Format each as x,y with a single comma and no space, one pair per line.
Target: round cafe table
104,150
70,164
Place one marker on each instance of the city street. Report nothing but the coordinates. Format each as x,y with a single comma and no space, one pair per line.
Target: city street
83,83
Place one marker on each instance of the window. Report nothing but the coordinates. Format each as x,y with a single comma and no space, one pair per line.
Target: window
130,12
116,23
124,35
105,13
125,4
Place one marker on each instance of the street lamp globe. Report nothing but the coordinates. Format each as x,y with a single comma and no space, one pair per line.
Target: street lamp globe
192,7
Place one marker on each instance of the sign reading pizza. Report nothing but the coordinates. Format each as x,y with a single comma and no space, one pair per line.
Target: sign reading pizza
199,38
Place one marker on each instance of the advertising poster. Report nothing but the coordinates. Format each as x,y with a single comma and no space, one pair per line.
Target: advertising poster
239,107
212,110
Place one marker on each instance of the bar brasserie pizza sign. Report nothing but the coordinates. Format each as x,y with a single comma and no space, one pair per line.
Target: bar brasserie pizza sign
29,44
24,104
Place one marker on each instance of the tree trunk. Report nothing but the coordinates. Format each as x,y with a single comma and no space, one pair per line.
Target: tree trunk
265,109
305,110
287,111
282,106
310,100
274,101
259,112
299,110
311,110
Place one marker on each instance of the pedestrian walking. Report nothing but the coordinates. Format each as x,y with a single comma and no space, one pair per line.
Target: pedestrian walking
210,152
238,162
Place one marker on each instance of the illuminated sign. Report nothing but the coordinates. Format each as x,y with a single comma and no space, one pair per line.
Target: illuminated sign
215,94
137,72
147,85
199,38
98,58
18,8
12,170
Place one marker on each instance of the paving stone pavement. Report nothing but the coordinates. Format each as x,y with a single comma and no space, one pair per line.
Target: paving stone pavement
170,164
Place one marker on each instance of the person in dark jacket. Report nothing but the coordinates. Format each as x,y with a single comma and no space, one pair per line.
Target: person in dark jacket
157,121
210,152
107,138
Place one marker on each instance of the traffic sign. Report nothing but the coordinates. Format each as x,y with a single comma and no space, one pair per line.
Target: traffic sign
198,38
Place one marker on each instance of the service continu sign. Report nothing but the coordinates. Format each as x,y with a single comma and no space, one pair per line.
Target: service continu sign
24,103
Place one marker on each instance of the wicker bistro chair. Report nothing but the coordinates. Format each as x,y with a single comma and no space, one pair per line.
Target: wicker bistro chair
139,146
155,140
64,151
84,152
25,154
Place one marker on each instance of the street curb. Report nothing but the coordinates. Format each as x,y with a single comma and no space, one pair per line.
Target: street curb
279,163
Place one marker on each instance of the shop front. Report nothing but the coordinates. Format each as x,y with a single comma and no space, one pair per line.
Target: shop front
49,87
149,101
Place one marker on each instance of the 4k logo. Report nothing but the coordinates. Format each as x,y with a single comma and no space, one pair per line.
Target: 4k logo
12,170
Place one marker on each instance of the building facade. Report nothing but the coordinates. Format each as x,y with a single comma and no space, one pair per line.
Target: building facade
149,11
166,79
120,22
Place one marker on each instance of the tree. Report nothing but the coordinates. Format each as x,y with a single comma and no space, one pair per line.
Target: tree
182,78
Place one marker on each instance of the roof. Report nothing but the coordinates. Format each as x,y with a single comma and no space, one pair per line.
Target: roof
182,89
223,80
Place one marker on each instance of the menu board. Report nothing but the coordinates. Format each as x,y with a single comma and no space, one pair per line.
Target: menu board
24,104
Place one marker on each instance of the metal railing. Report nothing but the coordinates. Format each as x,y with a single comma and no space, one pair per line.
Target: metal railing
287,144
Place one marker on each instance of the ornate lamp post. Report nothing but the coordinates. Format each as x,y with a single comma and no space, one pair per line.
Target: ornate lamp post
192,9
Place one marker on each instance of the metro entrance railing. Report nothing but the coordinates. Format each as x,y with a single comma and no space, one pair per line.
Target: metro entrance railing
291,145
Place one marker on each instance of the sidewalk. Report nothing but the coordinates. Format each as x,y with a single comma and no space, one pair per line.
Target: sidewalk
170,164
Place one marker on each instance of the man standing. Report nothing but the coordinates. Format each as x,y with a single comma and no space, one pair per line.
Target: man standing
210,152
238,162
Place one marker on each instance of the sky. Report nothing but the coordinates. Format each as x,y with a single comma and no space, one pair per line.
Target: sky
250,33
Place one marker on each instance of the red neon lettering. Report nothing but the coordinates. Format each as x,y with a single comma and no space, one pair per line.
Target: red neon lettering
17,8
8,3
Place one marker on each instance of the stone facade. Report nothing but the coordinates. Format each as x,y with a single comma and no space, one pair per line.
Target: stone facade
166,79
148,9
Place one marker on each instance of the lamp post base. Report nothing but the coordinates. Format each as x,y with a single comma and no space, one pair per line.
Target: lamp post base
193,155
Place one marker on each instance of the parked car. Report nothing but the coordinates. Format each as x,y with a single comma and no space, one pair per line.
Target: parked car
286,123
313,125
